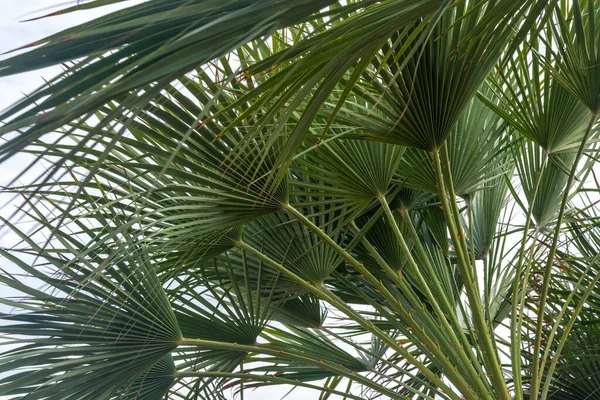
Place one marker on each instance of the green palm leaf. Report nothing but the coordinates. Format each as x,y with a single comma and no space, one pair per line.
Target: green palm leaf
348,198
99,326
185,37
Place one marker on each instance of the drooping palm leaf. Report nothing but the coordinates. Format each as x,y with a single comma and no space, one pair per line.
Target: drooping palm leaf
286,248
99,329
158,41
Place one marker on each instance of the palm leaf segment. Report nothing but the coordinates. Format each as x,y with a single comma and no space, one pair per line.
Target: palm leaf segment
202,175
99,327
417,95
185,37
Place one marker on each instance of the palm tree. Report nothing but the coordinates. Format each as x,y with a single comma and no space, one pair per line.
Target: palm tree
364,199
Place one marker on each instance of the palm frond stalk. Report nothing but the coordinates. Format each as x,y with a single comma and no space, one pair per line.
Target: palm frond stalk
358,199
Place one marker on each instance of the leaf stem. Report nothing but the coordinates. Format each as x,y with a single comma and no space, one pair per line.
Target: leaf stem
538,366
481,328
519,302
326,295
441,358
262,378
569,327
461,349
293,356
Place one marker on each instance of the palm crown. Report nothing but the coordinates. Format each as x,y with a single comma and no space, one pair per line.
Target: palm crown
365,199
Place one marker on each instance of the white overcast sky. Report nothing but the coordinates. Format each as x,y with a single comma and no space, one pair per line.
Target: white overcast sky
14,34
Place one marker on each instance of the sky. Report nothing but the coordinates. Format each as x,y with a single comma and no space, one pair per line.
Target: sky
14,34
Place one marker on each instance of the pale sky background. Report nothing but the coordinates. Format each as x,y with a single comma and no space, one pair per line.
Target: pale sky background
14,34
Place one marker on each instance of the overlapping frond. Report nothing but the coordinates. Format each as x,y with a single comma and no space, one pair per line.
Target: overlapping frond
100,328
332,196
